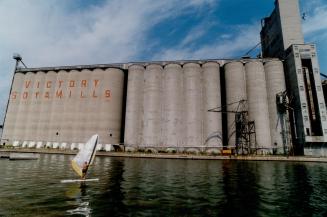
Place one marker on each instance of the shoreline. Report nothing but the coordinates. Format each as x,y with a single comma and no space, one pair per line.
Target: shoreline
175,156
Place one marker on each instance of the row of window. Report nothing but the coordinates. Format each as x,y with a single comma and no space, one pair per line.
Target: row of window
299,71
302,88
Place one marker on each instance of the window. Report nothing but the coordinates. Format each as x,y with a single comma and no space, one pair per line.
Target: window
308,131
316,70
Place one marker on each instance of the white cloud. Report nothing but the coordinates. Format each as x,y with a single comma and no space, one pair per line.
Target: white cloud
244,38
316,20
52,32
196,33
315,28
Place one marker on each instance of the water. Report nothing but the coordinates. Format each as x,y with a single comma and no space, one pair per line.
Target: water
160,187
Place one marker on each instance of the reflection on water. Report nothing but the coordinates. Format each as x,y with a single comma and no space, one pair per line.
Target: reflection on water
160,187
77,192
240,188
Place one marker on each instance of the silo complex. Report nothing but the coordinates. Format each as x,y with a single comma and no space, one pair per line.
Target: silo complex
168,104
174,113
65,106
243,105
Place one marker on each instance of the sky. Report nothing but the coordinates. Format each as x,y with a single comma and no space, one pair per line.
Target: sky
79,32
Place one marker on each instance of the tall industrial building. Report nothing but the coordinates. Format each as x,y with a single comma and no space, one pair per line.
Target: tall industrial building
282,37
270,105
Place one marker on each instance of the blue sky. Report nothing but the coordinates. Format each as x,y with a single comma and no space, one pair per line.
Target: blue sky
60,32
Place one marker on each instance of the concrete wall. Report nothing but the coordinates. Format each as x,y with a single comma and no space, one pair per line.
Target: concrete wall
174,112
290,19
235,82
166,104
258,105
13,108
65,106
275,81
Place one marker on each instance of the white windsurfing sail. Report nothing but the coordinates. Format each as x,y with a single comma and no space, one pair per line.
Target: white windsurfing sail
86,154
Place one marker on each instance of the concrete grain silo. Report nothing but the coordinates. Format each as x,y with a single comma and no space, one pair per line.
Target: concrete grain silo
96,103
134,106
235,96
53,132
166,107
83,92
61,98
39,94
258,105
275,80
33,108
212,99
8,134
112,91
152,105
58,106
71,115
193,106
172,124
27,108
45,111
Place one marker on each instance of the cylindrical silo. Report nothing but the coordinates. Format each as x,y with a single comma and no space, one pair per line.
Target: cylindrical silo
112,88
235,96
33,109
45,110
82,84
38,94
172,99
49,117
29,105
258,105
75,89
152,106
95,113
212,99
193,105
13,108
58,97
275,84
134,106
61,96
72,107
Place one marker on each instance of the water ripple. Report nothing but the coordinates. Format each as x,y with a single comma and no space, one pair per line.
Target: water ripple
159,187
